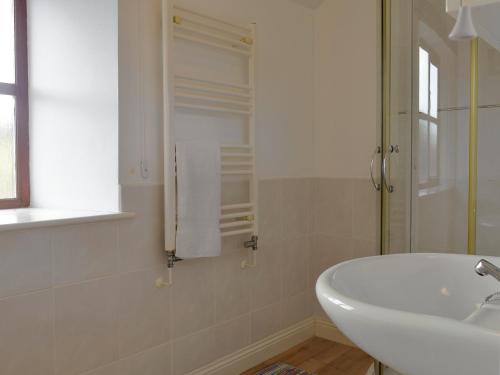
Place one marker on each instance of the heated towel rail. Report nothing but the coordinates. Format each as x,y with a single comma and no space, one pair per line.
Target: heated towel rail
194,95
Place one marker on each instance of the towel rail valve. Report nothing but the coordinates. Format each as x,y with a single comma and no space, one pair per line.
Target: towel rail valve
171,260
252,244
252,261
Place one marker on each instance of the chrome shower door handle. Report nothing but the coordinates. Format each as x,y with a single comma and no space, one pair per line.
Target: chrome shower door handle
385,174
376,185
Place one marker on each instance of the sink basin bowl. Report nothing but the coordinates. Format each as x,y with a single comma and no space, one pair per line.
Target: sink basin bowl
420,314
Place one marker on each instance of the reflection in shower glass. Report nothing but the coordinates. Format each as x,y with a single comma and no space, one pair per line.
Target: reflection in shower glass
433,151
433,92
428,169
423,150
423,81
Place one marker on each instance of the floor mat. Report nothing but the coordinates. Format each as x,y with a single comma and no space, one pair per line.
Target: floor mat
282,369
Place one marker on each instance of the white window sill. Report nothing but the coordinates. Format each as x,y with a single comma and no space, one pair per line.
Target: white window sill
24,218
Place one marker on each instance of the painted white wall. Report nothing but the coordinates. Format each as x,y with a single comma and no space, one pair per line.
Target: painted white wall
284,76
73,89
346,87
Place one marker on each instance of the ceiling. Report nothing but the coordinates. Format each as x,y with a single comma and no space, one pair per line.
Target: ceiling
309,3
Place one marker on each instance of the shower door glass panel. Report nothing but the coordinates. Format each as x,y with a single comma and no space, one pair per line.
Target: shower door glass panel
440,132
397,206
429,121
488,192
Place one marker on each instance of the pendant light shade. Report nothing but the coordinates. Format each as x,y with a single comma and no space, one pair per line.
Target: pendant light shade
464,27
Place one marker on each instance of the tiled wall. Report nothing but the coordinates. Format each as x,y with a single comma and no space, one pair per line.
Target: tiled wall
345,224
81,299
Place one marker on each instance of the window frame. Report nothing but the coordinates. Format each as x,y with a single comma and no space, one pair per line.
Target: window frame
19,90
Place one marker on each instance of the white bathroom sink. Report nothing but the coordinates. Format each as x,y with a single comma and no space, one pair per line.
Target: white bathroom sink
417,313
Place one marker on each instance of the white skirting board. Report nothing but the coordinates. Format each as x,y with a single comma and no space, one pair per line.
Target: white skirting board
271,346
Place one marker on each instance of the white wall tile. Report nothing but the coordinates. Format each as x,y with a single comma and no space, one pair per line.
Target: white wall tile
332,207
365,212
232,335
25,261
267,277
193,296
326,251
194,351
140,239
85,251
143,312
155,361
266,321
270,210
85,326
26,345
295,265
296,308
112,369
296,208
232,286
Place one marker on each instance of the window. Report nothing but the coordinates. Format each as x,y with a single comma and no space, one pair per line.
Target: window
14,159
428,120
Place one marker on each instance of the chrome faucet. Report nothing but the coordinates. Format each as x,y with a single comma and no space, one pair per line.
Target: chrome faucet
485,268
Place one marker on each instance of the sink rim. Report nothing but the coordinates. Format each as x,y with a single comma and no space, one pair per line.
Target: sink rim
412,342
324,287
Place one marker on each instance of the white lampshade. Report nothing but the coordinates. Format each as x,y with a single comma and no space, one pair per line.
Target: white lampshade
464,27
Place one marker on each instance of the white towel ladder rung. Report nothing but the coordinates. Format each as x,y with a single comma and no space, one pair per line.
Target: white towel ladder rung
237,232
236,215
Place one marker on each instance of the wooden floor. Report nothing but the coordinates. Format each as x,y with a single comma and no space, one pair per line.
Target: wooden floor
322,357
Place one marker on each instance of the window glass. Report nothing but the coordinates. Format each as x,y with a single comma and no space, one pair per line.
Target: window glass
7,147
7,42
433,150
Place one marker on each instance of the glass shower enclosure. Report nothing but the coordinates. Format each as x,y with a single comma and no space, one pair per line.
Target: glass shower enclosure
441,131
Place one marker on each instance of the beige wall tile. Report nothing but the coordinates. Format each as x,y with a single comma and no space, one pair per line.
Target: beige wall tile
365,248
155,361
140,239
318,310
25,261
194,351
112,369
296,308
143,312
85,327
266,278
332,207
327,251
295,265
26,345
84,251
232,286
296,208
365,213
270,210
265,322
193,296
232,336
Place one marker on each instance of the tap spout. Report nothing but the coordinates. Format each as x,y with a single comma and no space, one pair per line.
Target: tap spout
485,268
